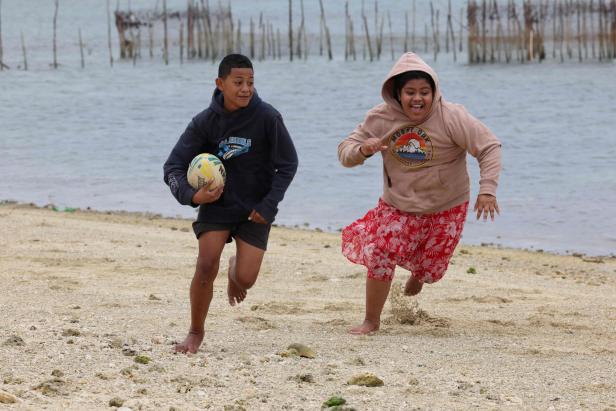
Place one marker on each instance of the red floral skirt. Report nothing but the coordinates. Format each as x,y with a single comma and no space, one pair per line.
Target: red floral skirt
387,237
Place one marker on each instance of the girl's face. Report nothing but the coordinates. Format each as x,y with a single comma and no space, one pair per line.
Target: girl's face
416,99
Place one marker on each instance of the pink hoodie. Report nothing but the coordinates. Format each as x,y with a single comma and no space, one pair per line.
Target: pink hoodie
424,168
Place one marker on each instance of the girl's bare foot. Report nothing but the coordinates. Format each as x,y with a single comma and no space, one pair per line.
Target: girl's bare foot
413,286
365,328
191,344
235,294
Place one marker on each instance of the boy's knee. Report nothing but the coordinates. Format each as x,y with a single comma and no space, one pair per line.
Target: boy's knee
245,282
207,269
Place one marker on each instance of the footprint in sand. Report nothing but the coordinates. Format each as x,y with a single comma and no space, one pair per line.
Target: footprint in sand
486,299
257,323
285,307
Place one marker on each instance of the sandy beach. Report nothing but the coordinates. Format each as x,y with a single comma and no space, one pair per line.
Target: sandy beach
92,303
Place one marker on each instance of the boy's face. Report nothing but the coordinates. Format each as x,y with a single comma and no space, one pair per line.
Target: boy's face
237,88
416,99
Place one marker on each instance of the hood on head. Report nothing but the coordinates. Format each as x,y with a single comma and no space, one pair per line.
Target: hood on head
408,62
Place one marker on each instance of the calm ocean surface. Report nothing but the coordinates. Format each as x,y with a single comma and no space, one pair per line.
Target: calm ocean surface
98,137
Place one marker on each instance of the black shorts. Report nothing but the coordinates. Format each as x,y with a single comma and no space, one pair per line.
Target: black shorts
253,233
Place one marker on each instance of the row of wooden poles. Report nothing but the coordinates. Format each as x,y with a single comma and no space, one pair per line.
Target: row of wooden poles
574,24
577,29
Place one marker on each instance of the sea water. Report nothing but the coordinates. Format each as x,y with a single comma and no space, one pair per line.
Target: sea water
98,137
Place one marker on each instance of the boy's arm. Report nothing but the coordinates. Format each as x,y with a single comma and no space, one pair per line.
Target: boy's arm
176,166
477,139
284,160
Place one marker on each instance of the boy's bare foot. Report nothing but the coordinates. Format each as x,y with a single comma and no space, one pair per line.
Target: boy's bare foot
235,294
365,328
413,286
191,343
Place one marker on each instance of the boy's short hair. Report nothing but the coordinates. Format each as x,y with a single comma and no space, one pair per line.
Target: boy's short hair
232,61
401,79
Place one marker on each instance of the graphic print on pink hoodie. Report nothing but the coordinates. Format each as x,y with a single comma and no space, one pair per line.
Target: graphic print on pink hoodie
424,167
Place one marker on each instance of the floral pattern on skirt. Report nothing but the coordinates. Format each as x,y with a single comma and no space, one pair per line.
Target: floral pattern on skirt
387,237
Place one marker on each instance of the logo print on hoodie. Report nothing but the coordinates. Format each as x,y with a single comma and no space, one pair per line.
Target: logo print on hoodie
411,146
233,146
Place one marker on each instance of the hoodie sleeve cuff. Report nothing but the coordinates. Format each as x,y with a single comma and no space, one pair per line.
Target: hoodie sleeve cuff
358,156
268,214
487,187
188,196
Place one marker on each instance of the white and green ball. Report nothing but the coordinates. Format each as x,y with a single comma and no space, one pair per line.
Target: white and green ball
206,170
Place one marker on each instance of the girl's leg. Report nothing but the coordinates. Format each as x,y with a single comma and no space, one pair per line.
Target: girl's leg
211,244
376,295
413,286
431,259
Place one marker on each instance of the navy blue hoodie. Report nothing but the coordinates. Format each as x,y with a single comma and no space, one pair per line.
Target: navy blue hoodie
256,150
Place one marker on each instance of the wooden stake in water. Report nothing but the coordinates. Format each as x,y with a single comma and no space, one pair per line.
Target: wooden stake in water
182,41
346,31
391,36
413,29
1,50
190,32
166,37
83,63
461,29
449,33
263,40
238,41
279,43
352,39
291,30
592,30
251,39
579,31
204,21
368,43
499,32
328,39
406,31
434,35
198,22
151,38
23,50
109,34
55,26
300,31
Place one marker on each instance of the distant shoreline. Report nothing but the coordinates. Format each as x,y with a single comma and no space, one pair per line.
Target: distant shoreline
152,216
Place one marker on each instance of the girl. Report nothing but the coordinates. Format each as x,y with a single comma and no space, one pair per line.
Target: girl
417,222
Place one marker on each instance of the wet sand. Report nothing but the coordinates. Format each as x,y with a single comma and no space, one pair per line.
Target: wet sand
92,303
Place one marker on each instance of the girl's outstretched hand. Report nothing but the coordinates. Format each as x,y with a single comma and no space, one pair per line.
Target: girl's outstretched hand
373,145
204,195
486,204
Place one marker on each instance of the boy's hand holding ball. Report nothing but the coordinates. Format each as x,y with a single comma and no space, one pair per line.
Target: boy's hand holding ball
205,195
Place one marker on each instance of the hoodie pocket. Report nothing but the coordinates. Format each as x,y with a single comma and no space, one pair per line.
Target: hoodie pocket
454,179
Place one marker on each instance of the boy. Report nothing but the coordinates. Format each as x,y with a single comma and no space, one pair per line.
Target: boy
249,137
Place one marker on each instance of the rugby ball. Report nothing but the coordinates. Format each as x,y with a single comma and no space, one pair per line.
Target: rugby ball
206,170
